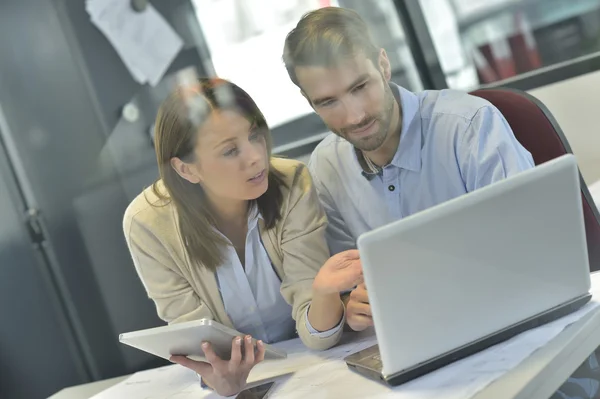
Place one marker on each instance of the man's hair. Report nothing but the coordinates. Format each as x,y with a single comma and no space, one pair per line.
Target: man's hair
325,37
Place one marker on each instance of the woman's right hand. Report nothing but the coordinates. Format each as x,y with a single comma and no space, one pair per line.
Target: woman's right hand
341,272
226,377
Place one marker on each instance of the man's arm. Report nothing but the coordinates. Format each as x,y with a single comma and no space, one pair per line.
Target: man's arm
338,235
488,151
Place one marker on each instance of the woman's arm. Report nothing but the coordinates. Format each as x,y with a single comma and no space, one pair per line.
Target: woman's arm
305,251
160,273
176,301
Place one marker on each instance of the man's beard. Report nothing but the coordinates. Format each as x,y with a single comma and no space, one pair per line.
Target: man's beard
384,120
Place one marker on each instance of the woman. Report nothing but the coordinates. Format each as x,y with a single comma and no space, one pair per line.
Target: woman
231,234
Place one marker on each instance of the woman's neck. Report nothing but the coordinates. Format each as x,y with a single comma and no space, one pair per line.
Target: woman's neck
229,213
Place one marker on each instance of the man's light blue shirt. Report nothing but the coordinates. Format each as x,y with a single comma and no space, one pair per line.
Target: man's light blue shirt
451,143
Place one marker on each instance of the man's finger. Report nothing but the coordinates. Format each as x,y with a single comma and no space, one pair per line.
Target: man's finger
201,368
359,308
359,295
249,351
236,352
360,322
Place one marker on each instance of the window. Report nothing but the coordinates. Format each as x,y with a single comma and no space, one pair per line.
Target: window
246,37
484,41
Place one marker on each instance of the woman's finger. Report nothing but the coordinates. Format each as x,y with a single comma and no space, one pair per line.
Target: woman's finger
236,352
210,355
352,254
260,352
249,351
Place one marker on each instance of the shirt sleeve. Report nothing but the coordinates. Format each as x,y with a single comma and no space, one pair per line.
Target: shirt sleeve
338,236
489,151
328,333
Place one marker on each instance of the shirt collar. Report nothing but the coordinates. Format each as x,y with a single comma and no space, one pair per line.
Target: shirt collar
408,154
253,217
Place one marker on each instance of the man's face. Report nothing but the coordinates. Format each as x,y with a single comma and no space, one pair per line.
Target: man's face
353,98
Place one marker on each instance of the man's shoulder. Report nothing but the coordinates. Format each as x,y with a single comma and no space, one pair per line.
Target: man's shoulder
331,154
331,144
448,103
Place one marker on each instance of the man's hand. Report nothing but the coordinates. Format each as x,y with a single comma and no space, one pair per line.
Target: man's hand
358,310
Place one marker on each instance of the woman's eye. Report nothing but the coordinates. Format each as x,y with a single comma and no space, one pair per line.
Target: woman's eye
231,152
255,135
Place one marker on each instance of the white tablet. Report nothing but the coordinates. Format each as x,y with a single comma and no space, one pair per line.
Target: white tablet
186,339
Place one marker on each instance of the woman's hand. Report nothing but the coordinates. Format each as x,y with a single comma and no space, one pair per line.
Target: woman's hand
341,272
226,377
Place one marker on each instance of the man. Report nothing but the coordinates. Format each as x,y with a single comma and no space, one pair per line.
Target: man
393,152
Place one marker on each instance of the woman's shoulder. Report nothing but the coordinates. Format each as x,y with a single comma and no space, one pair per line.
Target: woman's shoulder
151,209
294,173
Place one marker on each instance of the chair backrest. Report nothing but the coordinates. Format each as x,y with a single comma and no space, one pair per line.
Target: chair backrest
537,130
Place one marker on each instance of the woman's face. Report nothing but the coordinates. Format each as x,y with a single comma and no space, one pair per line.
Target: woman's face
231,161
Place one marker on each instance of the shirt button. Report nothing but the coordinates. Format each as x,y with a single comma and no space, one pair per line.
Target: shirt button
252,309
391,187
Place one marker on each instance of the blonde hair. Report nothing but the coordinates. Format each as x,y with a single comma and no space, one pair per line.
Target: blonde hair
325,37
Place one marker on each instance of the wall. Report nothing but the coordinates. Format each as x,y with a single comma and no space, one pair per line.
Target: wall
575,104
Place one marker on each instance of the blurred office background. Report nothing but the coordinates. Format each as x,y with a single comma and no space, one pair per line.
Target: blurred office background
76,142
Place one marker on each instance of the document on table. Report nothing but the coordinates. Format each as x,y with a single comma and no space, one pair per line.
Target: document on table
325,375
165,382
144,40
460,380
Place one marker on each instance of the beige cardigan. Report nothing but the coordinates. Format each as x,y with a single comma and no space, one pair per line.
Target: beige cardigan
183,290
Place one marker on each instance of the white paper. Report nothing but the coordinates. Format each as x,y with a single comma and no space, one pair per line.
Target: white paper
309,374
460,380
144,41
300,358
174,382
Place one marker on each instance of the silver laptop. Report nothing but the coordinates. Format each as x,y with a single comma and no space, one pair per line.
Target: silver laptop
472,272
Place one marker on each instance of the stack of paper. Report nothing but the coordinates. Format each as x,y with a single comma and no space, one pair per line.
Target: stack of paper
146,43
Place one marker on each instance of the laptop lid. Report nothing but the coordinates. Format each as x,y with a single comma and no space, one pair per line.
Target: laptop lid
467,268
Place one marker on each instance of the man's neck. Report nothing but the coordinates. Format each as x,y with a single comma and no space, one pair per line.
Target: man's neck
384,154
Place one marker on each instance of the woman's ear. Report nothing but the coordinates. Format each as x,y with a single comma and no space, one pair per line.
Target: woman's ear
186,170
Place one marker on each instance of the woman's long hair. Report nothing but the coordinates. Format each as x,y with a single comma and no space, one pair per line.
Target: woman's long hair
179,119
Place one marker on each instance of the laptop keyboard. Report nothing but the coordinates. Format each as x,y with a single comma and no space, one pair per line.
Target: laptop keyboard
372,358
376,361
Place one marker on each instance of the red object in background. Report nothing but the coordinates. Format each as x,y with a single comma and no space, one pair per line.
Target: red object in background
502,58
508,57
524,46
324,3
485,71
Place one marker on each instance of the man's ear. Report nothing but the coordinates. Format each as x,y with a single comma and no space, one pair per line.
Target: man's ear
307,99
384,65
187,171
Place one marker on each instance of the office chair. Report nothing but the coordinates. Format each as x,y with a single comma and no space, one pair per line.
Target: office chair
538,131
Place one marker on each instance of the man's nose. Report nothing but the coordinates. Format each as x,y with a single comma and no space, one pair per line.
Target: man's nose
355,111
